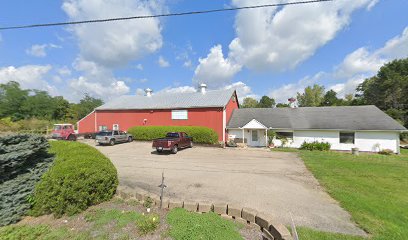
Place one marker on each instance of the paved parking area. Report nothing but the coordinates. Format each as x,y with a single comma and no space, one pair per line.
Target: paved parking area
277,183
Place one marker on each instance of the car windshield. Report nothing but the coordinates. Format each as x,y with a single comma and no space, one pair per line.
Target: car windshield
57,127
108,133
172,135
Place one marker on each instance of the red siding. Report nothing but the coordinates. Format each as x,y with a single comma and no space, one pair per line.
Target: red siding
207,117
87,124
232,104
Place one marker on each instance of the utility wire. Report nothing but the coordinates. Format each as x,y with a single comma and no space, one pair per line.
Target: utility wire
159,15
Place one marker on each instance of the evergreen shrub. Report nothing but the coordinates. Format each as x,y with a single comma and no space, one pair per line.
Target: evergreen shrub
23,160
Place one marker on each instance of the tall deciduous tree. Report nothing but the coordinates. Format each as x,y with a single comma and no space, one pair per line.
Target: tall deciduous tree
249,103
312,96
330,99
87,105
12,98
266,102
388,89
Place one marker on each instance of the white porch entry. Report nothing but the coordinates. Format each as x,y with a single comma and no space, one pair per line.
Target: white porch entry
255,133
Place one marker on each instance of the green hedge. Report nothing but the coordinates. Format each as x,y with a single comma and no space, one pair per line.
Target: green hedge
23,160
320,146
80,177
199,134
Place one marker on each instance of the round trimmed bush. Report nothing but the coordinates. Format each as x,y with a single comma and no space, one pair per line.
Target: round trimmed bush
199,134
80,177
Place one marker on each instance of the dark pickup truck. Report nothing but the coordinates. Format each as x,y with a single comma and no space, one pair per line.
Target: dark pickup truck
173,142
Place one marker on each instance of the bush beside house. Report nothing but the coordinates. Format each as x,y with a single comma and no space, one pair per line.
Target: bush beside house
312,146
80,177
199,134
23,160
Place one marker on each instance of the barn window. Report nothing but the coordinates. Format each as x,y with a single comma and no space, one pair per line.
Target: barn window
179,114
103,128
347,137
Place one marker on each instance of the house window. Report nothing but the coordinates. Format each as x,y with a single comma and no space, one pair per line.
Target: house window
179,114
284,135
115,127
347,137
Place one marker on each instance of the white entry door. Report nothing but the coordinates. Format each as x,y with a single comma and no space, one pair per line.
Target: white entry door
255,138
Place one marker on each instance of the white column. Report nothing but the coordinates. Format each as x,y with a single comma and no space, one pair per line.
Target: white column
243,136
266,137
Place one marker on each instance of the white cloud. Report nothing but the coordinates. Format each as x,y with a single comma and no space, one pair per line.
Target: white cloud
359,61
362,63
140,92
243,90
64,71
281,38
29,76
163,62
97,80
286,91
39,50
185,54
353,70
115,43
139,67
187,63
181,89
215,70
83,85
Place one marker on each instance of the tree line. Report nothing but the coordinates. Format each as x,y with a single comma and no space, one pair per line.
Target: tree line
18,104
388,90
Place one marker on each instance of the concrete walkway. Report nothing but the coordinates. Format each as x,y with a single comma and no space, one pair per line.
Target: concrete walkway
276,183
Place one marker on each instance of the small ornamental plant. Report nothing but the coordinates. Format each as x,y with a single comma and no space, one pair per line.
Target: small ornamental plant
148,223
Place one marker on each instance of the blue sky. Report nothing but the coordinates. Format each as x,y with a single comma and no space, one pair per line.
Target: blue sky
275,51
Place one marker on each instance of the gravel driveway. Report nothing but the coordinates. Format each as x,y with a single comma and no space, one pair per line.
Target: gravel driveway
276,183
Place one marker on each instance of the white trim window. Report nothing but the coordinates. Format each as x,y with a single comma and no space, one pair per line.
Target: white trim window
347,137
179,114
115,127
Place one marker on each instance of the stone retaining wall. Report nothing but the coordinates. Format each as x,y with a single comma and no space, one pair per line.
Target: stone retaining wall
271,229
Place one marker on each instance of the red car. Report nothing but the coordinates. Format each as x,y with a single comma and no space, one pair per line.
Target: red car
173,142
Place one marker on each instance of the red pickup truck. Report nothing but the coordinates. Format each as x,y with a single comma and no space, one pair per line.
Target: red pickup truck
173,142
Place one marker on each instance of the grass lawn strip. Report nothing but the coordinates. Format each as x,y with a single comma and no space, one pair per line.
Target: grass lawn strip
372,187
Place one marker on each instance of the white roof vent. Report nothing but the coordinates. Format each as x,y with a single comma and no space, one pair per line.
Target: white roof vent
148,92
203,87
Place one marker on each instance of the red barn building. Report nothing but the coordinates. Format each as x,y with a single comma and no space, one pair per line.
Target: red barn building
210,109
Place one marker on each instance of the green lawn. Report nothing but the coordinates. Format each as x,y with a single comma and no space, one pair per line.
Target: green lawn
372,187
193,226
111,223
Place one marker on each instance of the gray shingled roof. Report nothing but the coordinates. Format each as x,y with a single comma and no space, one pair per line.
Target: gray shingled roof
339,118
215,98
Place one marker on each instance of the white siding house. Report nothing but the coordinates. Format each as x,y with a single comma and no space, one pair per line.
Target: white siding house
363,127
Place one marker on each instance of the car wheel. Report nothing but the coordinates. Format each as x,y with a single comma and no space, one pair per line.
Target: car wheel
174,149
159,150
112,142
71,137
130,139
191,145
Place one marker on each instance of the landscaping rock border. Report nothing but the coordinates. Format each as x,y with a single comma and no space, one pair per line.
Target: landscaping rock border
271,230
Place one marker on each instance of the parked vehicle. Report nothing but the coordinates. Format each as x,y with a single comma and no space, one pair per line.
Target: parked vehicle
112,137
173,142
64,131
